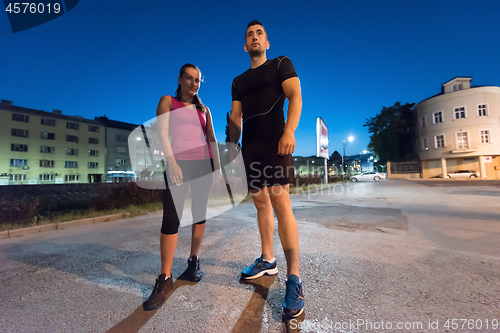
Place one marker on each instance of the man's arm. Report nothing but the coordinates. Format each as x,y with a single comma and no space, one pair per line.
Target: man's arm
235,122
291,88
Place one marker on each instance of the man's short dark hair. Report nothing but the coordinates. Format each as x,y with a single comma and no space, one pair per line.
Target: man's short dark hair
255,22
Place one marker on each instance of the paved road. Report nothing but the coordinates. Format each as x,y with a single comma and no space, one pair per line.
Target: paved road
374,254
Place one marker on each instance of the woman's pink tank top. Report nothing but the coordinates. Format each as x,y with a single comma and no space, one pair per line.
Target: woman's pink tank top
188,132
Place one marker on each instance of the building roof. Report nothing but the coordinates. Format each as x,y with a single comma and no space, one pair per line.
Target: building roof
116,124
8,106
457,78
442,89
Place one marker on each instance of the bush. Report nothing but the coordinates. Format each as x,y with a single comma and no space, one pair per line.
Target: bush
122,195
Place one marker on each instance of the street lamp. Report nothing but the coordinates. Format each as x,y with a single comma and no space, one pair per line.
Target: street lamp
343,156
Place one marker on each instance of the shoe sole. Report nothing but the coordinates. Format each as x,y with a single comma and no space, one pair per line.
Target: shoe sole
195,279
272,271
291,315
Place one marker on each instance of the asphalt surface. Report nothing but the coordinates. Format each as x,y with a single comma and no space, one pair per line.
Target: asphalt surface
374,257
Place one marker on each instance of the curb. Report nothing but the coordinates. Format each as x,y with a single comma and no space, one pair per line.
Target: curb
70,224
109,218
61,225
31,230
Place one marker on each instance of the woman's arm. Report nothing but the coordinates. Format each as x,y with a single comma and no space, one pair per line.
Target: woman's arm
212,141
162,118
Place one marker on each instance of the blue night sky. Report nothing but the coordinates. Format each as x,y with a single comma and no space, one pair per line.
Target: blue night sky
353,57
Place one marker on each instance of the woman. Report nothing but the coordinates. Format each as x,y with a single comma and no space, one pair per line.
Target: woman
187,137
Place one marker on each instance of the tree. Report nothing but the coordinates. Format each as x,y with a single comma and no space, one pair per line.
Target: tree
393,133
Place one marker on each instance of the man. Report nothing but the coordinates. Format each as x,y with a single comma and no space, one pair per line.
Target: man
258,97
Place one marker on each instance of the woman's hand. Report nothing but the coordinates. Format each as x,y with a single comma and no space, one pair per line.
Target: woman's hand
217,174
175,173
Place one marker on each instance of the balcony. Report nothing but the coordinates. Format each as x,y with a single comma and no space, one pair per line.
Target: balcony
464,146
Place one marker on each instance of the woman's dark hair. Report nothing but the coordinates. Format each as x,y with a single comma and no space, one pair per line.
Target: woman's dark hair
196,99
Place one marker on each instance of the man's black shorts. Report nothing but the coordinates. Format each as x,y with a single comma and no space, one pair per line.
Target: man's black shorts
264,167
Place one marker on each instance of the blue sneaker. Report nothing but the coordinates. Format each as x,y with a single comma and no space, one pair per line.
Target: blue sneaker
294,297
259,268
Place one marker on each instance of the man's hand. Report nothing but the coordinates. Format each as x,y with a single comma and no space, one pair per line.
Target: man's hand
233,152
286,145
217,175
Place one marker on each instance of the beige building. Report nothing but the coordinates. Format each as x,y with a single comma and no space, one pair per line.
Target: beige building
459,129
40,147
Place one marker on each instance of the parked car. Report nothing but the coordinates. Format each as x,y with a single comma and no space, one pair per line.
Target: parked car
463,174
369,175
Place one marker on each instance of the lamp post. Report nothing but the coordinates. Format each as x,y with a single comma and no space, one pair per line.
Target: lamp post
343,156
361,160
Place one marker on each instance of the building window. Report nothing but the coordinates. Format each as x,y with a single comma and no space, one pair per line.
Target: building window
48,122
146,162
425,144
462,140
71,151
458,87
485,136
459,112
482,110
17,163
71,138
71,164
439,141
17,178
47,136
438,117
46,177
93,153
47,149
93,165
121,138
71,178
74,126
20,117
18,147
422,122
121,149
93,128
119,161
93,140
46,164
158,152
19,132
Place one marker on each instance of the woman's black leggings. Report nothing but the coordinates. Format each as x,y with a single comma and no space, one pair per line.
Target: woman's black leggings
197,176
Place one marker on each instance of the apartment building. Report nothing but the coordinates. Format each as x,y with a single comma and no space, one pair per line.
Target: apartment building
40,147
459,129
118,165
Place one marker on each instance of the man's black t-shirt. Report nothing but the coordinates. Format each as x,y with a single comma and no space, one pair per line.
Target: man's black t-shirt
261,95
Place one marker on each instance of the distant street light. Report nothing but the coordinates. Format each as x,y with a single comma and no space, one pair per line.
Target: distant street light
343,156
